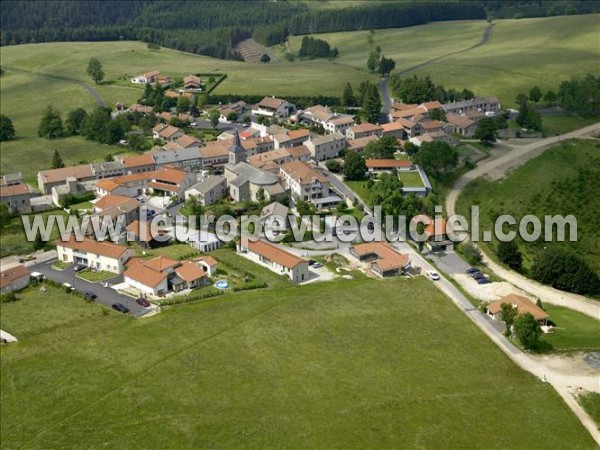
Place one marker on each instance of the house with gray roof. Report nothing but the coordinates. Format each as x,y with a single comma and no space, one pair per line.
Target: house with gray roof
208,189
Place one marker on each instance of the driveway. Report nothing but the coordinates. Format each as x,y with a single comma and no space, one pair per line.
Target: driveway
105,295
448,262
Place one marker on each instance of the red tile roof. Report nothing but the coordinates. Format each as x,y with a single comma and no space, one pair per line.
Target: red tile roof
107,249
275,254
387,163
9,276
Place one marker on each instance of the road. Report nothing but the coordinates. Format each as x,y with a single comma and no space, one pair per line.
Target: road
105,295
387,101
340,187
497,168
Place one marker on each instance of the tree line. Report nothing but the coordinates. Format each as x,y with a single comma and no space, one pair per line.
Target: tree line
418,89
316,48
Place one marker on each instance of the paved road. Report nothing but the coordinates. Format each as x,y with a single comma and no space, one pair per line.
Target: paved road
498,167
340,187
105,295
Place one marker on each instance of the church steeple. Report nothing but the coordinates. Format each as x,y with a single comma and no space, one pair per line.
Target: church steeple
237,153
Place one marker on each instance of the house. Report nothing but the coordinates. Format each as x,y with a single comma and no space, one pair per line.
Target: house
94,255
272,210
174,155
484,104
276,259
138,163
384,260
272,107
161,275
362,130
436,232
14,279
326,147
256,145
392,129
271,161
204,241
10,179
208,189
214,154
246,181
142,109
330,121
167,133
303,181
358,145
410,128
148,77
388,165
419,185
523,306
118,205
287,139
430,126
145,235
458,124
208,263
47,179
192,82
17,198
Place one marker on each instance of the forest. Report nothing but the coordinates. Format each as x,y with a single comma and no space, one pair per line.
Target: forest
213,28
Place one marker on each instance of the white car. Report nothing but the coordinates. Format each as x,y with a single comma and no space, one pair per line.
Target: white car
433,275
67,286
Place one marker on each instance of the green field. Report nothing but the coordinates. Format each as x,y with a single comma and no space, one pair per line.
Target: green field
389,364
591,403
562,181
12,236
520,54
573,331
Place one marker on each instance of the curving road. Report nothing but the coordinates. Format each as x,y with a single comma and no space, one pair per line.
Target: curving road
497,168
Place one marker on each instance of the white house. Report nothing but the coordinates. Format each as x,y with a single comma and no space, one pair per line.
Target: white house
14,279
271,106
276,259
326,147
303,181
95,255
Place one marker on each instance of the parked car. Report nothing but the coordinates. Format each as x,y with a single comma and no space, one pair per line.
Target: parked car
38,276
471,270
311,262
483,280
21,260
90,295
317,265
433,275
78,267
143,302
68,286
477,275
120,307
30,258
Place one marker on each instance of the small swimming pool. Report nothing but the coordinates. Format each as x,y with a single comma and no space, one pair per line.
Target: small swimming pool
222,284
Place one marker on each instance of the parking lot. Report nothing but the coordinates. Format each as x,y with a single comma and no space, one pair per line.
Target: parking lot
104,295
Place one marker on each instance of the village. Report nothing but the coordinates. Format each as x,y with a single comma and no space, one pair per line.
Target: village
272,156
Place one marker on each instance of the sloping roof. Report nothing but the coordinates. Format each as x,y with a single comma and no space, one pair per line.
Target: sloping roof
54,175
191,79
107,249
15,189
186,141
387,257
387,163
9,276
459,121
208,183
391,126
431,105
188,271
365,127
432,124
209,260
169,131
161,263
122,203
319,140
299,133
275,254
145,159
341,120
361,142
138,271
303,173
170,174
274,209
271,102
523,305
215,149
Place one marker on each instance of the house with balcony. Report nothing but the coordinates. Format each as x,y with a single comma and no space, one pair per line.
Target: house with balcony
273,107
93,254
304,182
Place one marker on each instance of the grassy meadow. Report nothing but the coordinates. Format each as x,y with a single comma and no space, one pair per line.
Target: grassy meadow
520,54
573,331
564,180
387,364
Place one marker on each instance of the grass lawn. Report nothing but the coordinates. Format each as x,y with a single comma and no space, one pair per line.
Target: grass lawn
573,330
567,181
12,236
388,364
60,265
591,404
83,205
95,277
554,125
411,179
359,187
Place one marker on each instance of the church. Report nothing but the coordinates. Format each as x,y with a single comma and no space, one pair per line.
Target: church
246,181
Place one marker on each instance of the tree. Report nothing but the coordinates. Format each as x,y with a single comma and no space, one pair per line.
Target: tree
550,97
436,157
410,148
333,165
265,58
213,117
486,131
527,330
4,215
355,167
348,98
508,314
471,253
386,65
535,94
260,196
94,70
51,125
371,104
373,61
383,148
7,129
565,270
75,120
57,161
232,116
304,208
137,142
509,254
38,243
183,104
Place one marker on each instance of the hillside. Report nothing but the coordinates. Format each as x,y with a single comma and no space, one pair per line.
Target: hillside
564,180
386,364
